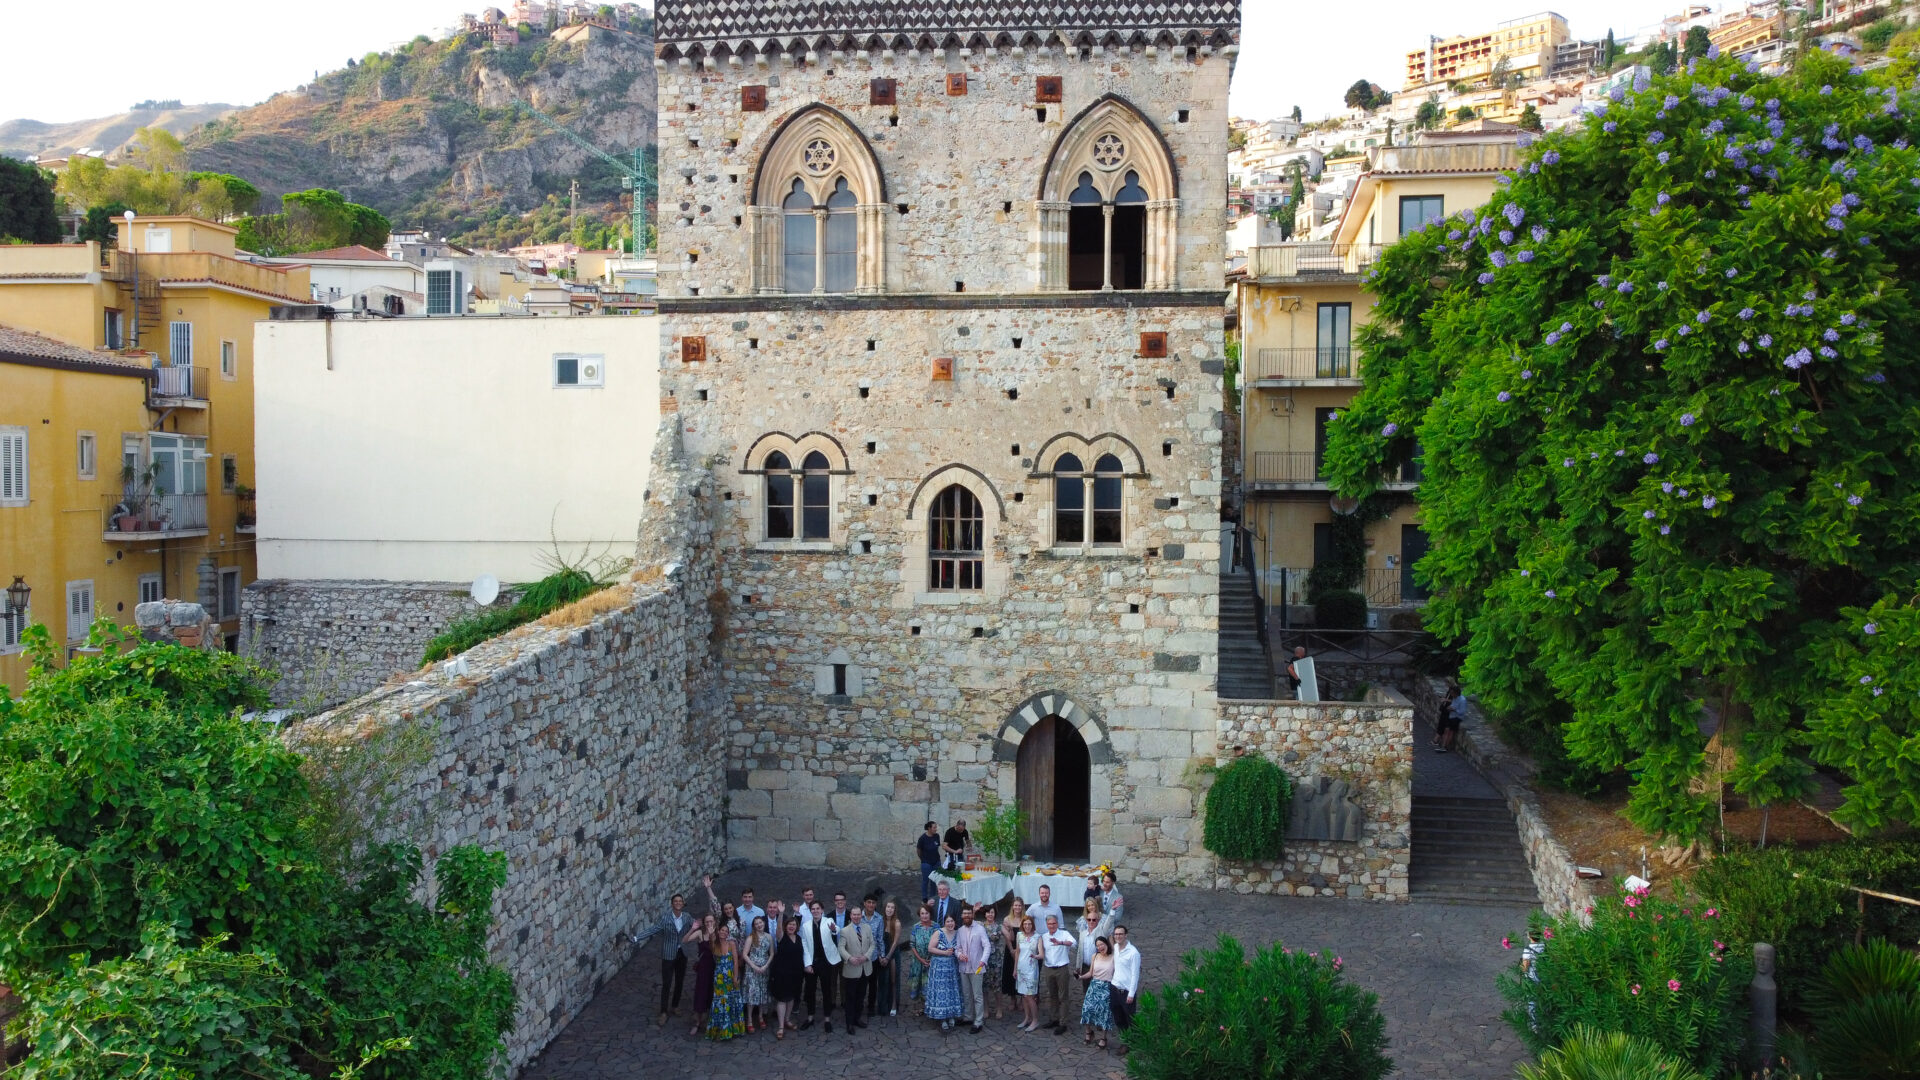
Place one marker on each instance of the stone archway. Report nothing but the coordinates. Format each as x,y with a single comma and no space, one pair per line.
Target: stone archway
1054,744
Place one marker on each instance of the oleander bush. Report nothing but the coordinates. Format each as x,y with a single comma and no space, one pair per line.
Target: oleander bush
1655,969
1246,811
1281,1014
1589,1054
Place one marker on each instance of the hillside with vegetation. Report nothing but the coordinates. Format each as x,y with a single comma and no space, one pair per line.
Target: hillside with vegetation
106,134
433,135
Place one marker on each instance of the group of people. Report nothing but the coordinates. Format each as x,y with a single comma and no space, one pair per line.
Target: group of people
753,968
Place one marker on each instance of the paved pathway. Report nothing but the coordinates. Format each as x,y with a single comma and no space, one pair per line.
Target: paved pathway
1433,966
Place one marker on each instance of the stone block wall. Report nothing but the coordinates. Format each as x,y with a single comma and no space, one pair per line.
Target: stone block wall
587,753
1370,746
330,641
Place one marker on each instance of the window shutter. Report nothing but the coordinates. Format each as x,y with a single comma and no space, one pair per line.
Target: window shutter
79,609
13,466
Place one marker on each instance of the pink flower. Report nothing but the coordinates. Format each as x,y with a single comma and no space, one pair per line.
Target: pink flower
1674,985
1711,912
1636,988
1549,935
1506,943
1633,901
1718,945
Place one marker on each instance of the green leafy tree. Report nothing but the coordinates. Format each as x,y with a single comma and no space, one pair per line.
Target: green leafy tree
102,224
1653,382
313,220
1296,114
1430,115
166,908
1608,51
241,195
1697,43
1530,119
26,203
154,180
1464,113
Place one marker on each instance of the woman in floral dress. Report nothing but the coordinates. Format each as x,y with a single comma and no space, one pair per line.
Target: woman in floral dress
1096,1008
943,976
728,1018
1026,975
759,957
996,962
917,967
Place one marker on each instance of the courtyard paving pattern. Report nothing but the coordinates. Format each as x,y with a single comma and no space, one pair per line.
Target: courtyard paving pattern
1432,964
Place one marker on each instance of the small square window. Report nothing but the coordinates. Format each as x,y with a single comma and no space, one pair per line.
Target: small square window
149,588
229,360
229,473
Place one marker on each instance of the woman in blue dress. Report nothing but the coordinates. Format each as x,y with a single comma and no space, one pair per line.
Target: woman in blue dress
943,976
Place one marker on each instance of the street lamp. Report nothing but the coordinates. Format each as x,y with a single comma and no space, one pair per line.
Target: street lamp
18,594
133,257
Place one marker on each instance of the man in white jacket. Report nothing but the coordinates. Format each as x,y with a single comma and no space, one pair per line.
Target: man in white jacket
1126,978
820,953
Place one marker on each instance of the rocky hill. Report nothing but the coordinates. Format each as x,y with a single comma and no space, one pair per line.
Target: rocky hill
431,135
107,134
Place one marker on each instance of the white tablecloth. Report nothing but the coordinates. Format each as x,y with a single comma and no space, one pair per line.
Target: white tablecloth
982,888
1069,891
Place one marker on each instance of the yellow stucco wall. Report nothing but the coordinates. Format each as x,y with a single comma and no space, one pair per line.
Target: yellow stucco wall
57,537
1382,223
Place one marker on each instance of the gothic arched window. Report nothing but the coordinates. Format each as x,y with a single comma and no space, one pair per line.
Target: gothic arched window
799,239
1069,501
1108,495
1109,204
815,488
842,239
780,515
956,541
818,210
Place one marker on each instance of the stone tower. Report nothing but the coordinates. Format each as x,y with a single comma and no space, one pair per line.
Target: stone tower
941,296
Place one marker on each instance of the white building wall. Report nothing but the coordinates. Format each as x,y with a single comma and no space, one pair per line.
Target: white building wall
440,449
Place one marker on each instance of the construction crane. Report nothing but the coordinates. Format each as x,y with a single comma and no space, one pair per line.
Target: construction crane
636,176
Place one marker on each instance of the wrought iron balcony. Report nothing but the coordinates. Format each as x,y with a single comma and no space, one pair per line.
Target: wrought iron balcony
179,387
1329,364
152,517
1308,261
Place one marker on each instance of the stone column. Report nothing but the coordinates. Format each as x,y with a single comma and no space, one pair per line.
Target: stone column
1163,216
819,250
871,274
1106,247
1052,244
765,251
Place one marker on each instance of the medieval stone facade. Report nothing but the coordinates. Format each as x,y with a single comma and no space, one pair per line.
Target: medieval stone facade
943,311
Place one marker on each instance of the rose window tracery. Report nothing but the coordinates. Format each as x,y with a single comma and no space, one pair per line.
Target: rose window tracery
1109,151
819,157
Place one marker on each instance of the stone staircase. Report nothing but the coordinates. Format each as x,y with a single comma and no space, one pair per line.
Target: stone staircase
1246,668
1467,850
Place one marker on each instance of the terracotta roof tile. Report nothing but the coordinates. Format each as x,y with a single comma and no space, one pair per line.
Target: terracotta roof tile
25,345
692,20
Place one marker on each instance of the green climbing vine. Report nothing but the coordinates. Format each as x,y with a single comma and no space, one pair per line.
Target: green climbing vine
1246,814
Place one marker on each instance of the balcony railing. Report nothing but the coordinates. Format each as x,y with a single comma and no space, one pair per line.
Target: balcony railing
1304,364
243,514
1382,586
1313,260
156,517
1300,468
180,383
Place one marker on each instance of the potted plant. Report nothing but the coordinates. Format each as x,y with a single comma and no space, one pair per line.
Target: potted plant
138,489
1000,830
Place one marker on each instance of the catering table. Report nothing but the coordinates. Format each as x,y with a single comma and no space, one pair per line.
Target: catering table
982,888
1069,890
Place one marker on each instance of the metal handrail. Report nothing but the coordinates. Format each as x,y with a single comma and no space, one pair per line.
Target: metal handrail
1244,537
1304,362
1285,467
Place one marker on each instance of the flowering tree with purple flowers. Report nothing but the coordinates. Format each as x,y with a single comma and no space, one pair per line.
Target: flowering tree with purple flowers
1672,473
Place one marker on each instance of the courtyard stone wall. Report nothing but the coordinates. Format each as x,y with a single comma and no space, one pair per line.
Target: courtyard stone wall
331,641
583,748
1368,745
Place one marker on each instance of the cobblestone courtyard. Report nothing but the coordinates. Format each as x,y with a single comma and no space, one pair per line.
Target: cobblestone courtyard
1433,966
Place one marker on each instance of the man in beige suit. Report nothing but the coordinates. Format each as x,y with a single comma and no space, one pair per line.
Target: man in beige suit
856,954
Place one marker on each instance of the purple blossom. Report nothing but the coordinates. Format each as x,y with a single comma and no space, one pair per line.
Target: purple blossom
1662,157
1551,595
1506,236
1687,419
1486,279
1866,680
1503,396
1539,234
1766,341
1666,487
1565,327
1847,319
1619,453
1553,337
1871,628
1661,345
1650,458
1835,223
1551,157
1685,330
1708,503
1830,334
1731,272
1861,142
1670,102
1877,377
1567,464
1665,529
1854,500
1642,81
1682,493
1624,288
1523,256
1610,127
1745,312
1655,138
1661,198
1711,173
1648,514
1827,90
1498,259
1661,285
1389,430
1798,360
1742,347
1526,373
1515,214
1703,316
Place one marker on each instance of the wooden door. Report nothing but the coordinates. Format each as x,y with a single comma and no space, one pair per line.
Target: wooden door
1034,787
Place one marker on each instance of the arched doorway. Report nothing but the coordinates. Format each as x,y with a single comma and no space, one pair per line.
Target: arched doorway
1052,783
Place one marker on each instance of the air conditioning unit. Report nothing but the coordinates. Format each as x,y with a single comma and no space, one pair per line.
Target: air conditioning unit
593,371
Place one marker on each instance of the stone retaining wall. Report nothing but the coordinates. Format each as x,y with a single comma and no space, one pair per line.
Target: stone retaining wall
330,641
587,753
1370,746
1561,888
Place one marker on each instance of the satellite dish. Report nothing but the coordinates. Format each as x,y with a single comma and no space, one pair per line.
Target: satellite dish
1343,506
486,589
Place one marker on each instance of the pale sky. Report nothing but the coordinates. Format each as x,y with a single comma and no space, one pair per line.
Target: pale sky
242,51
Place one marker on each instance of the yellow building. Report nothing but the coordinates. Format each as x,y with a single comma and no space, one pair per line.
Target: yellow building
63,412
175,291
1527,44
1299,306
